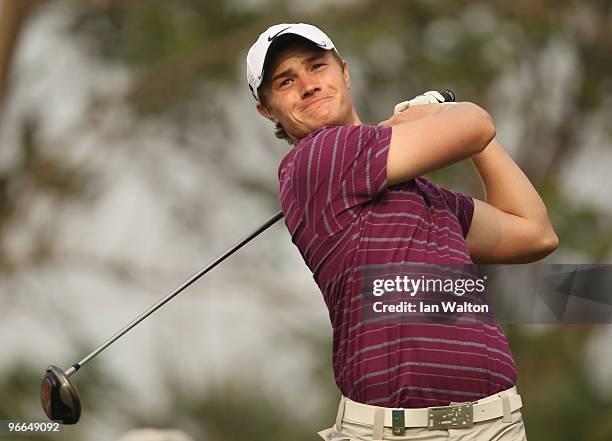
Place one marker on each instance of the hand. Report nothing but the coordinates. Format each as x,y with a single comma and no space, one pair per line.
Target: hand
430,97
411,114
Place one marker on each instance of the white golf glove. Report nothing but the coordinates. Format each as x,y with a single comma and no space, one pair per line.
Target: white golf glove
430,97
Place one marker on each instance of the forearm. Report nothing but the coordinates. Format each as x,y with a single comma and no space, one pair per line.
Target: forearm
436,141
506,186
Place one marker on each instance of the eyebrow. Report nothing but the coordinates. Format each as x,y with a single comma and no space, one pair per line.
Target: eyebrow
288,71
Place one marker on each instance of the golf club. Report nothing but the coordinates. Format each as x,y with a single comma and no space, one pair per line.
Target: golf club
58,396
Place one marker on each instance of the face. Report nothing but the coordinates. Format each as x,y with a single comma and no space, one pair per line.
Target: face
307,89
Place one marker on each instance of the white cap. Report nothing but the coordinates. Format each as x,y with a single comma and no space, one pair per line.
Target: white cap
257,53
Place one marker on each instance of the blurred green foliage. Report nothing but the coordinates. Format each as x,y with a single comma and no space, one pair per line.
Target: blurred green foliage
561,400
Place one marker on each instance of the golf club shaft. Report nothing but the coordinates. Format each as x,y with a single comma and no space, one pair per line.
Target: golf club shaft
188,282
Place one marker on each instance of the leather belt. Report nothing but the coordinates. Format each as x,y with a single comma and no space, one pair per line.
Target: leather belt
455,415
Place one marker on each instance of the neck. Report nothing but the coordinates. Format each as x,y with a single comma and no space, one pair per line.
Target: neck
355,117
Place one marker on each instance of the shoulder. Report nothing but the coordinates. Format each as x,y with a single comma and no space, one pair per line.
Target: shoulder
324,144
360,134
286,164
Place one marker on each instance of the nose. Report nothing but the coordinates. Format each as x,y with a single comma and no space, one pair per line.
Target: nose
310,85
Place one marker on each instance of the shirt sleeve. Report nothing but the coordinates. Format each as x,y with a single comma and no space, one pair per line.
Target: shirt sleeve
462,205
338,172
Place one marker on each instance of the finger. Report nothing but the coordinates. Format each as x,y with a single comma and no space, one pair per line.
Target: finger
422,100
429,97
436,95
400,107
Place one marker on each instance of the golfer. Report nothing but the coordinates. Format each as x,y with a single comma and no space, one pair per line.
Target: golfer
353,197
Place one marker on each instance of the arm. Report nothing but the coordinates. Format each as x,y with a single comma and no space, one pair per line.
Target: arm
432,136
513,225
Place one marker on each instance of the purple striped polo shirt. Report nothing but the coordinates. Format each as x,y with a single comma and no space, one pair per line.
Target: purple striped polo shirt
343,216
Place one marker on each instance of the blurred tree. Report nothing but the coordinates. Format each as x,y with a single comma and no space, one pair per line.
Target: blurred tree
13,14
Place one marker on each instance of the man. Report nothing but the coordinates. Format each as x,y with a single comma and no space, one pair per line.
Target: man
353,198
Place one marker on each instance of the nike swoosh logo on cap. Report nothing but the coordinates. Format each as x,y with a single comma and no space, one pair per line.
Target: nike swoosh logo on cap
276,35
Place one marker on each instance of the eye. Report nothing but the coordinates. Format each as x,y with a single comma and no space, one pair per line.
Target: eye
318,65
284,83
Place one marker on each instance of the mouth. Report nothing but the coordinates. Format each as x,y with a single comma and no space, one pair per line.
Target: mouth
318,101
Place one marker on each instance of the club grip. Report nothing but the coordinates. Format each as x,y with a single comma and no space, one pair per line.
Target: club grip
449,96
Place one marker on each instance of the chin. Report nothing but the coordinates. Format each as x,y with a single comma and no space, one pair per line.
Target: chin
331,119
340,117
336,121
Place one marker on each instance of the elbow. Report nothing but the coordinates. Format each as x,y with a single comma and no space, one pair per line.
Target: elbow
546,242
550,242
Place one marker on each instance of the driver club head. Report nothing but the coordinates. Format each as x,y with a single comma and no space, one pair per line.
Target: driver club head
59,398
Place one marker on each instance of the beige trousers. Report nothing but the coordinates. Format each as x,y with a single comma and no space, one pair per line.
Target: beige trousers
491,430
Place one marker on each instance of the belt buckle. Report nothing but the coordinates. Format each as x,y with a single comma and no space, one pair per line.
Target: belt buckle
450,417
398,422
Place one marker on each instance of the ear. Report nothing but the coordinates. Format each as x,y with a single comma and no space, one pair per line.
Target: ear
266,113
345,72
